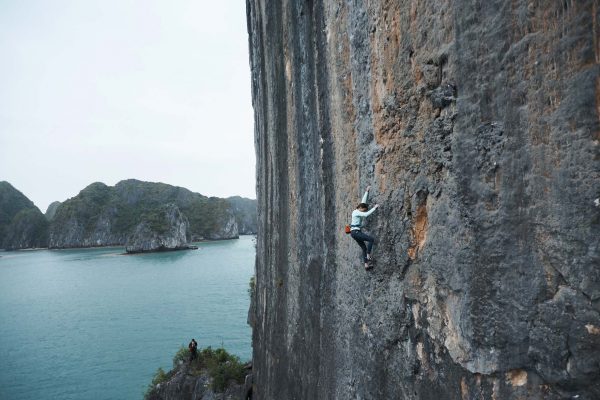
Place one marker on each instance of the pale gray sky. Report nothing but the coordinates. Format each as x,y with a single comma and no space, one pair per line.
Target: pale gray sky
105,90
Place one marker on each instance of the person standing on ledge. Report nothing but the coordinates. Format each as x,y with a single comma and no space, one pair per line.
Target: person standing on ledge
193,347
362,211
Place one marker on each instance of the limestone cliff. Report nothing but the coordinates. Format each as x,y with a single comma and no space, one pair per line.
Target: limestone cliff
477,123
165,229
102,215
245,214
22,224
51,210
28,229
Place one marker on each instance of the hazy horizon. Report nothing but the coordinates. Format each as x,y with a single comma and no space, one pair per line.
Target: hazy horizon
107,91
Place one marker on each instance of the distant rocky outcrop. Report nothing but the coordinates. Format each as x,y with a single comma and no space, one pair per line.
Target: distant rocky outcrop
51,210
89,220
22,225
28,229
102,215
162,230
245,214
227,230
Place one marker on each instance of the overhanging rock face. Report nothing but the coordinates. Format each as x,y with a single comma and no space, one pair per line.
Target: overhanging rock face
477,124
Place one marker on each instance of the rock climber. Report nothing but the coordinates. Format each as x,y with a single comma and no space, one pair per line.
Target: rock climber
362,211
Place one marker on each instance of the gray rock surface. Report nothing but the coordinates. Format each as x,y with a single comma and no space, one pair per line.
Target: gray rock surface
227,229
51,210
477,123
245,214
185,385
87,220
79,232
166,231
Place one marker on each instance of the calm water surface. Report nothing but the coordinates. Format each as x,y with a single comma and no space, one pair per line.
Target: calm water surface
94,324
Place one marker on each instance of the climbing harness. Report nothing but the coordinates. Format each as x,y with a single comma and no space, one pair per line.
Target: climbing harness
348,228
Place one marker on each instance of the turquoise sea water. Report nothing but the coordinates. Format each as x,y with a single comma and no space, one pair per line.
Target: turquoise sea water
95,324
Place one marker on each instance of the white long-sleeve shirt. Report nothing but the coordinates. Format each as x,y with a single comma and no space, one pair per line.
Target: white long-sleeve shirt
357,215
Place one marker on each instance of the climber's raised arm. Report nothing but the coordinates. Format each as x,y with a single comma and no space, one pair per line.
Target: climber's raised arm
360,213
366,195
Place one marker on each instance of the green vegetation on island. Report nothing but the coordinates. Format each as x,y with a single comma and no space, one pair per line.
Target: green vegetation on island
221,368
102,215
22,224
106,215
51,210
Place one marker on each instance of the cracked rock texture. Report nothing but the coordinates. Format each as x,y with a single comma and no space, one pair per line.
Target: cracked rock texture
477,124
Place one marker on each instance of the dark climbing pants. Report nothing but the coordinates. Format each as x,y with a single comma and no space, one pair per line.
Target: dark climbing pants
361,238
